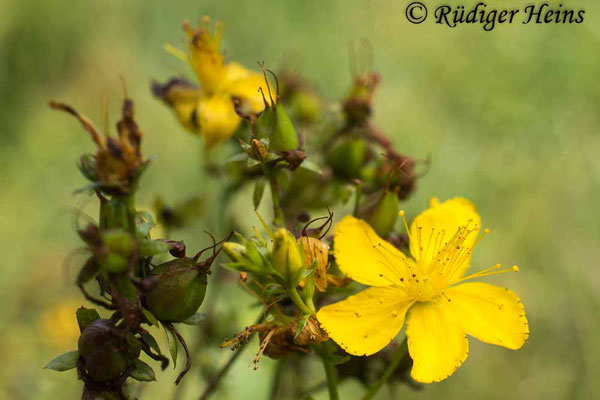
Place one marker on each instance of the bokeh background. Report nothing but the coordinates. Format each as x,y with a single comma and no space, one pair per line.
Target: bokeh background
510,119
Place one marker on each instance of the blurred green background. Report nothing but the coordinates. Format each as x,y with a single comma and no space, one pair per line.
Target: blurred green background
510,118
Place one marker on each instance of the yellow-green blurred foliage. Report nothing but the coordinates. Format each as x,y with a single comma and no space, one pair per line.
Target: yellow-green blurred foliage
510,118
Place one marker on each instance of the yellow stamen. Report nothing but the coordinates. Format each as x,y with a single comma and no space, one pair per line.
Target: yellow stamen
264,224
486,272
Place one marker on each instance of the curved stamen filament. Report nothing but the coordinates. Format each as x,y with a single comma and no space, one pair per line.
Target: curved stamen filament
489,271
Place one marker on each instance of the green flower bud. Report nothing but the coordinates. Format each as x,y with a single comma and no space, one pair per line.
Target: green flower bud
347,157
118,246
180,289
380,210
106,350
287,257
235,251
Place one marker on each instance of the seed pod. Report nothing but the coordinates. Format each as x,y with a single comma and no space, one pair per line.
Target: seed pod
313,250
347,157
180,289
287,259
380,210
107,350
275,125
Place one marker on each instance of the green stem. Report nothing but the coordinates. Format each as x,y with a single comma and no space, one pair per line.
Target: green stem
330,372
295,297
357,198
278,218
400,354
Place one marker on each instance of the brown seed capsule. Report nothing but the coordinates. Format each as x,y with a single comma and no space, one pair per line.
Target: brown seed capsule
107,350
310,334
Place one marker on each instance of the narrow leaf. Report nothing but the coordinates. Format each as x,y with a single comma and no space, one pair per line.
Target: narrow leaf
85,316
173,345
259,190
64,362
195,319
142,372
150,317
150,341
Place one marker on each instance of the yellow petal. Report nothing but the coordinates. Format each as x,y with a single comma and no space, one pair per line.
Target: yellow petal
438,224
366,322
490,313
436,345
363,256
246,90
217,119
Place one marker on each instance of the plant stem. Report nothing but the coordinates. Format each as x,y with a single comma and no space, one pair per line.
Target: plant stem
278,218
331,375
215,382
398,356
295,297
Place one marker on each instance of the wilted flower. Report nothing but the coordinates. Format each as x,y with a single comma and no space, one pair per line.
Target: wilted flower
224,86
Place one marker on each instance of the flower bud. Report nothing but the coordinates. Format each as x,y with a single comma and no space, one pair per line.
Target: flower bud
316,251
258,150
380,210
180,289
107,350
347,157
287,259
235,251
116,252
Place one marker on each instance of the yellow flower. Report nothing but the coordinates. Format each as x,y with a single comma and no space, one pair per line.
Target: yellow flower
426,290
211,109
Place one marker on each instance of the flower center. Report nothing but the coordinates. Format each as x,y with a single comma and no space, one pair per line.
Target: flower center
441,261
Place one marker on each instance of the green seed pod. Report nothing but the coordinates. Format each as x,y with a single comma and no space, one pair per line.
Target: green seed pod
274,124
347,157
107,350
287,257
380,210
180,290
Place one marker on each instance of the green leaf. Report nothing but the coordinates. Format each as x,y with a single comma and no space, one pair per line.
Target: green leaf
85,316
194,319
311,166
259,190
150,248
64,362
142,372
337,360
252,162
150,317
301,325
143,229
173,345
150,341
